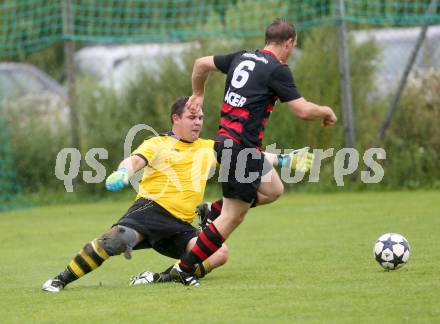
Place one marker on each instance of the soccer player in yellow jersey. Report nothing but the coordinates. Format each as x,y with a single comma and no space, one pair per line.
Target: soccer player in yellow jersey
176,165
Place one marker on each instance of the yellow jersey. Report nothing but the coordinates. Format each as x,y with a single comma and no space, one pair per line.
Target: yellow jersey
176,173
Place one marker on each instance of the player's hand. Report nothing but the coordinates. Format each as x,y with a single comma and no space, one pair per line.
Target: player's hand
301,160
117,180
329,119
194,103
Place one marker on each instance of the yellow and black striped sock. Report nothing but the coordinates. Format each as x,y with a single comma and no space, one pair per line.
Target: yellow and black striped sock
91,256
202,269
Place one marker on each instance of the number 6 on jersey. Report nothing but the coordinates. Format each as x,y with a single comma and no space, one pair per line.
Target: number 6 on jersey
240,75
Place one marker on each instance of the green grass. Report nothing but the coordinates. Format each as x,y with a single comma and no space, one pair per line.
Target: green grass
306,258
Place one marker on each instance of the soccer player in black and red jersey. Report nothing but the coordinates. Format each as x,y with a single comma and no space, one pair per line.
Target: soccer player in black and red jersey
254,81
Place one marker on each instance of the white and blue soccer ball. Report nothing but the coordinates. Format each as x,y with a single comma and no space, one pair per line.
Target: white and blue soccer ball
391,250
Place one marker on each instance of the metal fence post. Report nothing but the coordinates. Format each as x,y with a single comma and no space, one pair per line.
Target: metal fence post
69,51
344,72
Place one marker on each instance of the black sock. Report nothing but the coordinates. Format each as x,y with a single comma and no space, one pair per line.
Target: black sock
167,270
66,276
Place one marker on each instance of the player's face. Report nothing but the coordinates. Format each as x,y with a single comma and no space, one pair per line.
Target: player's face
189,125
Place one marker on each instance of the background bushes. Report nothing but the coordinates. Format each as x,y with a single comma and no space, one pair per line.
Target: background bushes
412,145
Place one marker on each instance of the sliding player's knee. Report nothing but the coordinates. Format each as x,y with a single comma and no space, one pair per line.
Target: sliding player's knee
120,239
223,254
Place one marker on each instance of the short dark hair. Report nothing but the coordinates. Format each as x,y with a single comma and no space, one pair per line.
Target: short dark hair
178,106
280,31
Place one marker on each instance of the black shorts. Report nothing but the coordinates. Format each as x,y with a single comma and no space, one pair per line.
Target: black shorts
245,170
162,231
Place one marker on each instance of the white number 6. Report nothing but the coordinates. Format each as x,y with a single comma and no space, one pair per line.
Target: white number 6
241,76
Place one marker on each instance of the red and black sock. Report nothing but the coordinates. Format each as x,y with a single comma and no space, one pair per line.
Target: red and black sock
208,242
216,208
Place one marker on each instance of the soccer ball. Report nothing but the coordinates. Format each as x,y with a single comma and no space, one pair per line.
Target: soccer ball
391,250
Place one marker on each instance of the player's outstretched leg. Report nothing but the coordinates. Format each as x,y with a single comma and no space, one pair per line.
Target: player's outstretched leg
120,239
210,240
91,256
149,277
172,274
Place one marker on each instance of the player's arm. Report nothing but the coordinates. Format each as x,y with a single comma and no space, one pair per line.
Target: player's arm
133,164
129,166
202,67
300,160
283,84
309,111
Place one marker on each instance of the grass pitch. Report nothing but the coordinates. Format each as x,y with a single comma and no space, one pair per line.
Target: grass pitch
304,259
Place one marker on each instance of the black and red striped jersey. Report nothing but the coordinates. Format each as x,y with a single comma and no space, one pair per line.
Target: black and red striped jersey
255,80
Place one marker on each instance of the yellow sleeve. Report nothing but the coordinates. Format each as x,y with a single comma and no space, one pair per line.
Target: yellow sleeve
148,149
207,143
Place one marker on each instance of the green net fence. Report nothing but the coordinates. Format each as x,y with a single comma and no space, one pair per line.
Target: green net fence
29,25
